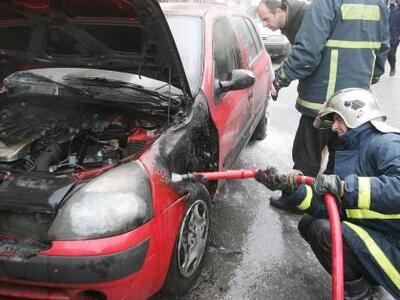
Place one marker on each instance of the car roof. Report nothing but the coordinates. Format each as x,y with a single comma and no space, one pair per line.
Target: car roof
193,9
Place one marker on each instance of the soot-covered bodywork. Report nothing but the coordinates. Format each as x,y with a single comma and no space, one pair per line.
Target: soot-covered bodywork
58,154
96,112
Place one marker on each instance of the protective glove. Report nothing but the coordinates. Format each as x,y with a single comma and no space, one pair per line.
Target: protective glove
278,83
275,92
374,79
329,184
276,180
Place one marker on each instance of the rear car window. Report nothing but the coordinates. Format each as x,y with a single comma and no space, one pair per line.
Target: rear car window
15,38
255,35
250,40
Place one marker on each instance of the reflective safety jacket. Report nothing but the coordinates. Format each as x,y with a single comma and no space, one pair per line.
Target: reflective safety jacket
369,165
340,44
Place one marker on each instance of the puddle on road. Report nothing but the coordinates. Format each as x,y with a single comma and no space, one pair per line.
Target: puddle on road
264,247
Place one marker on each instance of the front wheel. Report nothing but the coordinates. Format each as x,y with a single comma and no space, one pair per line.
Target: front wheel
191,244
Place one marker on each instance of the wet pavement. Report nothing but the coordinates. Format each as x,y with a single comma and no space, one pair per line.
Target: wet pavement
256,251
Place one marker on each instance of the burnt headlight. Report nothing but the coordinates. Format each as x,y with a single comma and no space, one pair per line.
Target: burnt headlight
113,203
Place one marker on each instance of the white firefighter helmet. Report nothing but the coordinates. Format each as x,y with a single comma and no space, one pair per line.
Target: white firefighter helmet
356,106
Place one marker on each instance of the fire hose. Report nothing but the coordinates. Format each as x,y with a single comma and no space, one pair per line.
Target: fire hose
330,203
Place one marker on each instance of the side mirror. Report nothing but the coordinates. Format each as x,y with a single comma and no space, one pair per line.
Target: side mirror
237,80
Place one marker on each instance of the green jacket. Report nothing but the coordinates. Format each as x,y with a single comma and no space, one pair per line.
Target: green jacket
340,44
295,14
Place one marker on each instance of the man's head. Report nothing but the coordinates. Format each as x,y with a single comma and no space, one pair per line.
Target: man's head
347,109
273,13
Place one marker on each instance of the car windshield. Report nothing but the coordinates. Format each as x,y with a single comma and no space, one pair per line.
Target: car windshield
189,46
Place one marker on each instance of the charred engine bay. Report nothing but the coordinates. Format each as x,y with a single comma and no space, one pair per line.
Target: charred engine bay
65,136
44,142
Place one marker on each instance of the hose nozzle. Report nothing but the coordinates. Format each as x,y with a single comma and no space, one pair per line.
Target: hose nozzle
178,178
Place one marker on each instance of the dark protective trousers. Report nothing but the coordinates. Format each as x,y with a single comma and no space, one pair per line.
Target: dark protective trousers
308,145
317,233
392,54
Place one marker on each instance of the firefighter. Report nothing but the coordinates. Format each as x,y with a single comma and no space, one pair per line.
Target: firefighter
340,44
366,184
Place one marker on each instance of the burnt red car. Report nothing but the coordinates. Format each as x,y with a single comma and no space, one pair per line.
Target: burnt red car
101,101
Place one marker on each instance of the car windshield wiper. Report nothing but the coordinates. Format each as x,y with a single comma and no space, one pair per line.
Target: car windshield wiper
117,84
42,78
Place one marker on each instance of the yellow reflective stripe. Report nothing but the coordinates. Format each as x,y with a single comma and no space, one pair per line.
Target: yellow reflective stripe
353,44
360,12
332,73
369,214
283,74
364,192
308,104
306,203
373,66
377,253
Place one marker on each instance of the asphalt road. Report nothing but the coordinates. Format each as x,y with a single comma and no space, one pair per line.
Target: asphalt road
256,251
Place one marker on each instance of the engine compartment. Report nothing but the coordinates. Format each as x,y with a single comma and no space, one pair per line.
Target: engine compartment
62,137
50,145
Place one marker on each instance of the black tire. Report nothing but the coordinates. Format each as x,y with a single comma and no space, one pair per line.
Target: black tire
180,276
260,132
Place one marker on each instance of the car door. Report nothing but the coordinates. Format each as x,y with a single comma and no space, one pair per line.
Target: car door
257,61
232,110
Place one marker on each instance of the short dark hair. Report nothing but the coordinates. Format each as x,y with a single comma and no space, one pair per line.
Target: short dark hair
274,4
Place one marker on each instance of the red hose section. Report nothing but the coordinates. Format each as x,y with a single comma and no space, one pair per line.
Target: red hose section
337,247
336,238
334,221
305,180
229,174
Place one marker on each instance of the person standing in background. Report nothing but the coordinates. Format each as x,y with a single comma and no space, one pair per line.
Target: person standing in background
284,15
394,25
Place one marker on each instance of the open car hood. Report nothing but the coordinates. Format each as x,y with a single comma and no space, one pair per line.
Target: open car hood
121,35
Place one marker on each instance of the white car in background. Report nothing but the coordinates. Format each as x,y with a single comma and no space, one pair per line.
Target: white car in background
276,44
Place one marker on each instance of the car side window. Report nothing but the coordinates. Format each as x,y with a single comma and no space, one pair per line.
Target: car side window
254,34
226,49
250,41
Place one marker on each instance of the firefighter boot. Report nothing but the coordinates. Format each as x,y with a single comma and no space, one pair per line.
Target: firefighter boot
281,201
358,289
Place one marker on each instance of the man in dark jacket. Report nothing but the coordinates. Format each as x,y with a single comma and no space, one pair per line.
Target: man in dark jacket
339,44
366,185
394,25
284,15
